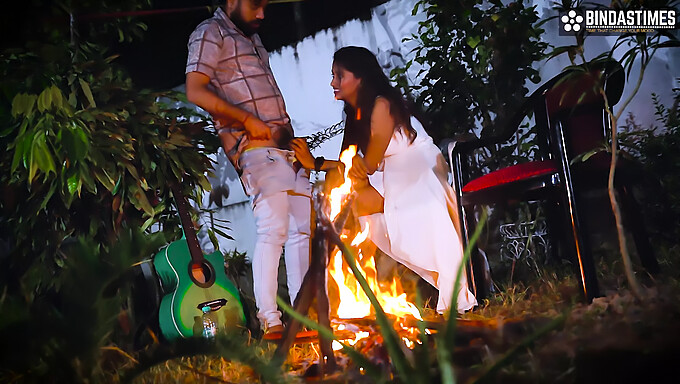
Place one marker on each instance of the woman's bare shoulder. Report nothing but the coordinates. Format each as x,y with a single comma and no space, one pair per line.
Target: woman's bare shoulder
381,109
381,118
381,104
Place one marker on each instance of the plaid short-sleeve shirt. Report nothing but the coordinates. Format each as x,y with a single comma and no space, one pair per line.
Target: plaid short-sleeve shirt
239,72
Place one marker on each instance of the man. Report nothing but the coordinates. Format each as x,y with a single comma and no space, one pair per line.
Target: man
229,76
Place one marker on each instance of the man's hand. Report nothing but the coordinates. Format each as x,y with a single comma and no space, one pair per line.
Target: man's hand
256,128
334,178
302,153
226,121
200,93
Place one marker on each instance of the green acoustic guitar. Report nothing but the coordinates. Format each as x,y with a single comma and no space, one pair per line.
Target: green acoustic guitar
192,281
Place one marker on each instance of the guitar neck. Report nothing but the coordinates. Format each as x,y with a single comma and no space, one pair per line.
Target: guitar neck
187,225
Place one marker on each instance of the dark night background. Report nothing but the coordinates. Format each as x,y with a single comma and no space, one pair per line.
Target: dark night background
157,60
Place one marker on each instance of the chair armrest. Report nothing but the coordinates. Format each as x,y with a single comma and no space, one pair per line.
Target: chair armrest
509,128
458,148
447,147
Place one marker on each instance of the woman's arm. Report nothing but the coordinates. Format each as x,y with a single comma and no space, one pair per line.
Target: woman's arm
382,129
305,157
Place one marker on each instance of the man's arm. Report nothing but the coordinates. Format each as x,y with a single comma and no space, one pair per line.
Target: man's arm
199,93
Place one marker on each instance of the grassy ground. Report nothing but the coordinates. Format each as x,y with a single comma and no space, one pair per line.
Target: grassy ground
617,338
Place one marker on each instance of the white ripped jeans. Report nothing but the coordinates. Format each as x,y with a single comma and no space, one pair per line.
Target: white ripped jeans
282,208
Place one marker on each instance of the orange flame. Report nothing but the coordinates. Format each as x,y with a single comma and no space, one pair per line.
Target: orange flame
353,301
338,194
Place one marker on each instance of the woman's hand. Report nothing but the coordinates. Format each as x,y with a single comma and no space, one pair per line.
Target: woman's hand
359,170
302,153
359,184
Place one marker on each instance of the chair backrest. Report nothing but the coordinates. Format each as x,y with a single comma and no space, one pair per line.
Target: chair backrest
561,102
575,100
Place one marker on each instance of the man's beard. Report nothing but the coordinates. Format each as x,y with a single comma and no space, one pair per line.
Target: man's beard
248,29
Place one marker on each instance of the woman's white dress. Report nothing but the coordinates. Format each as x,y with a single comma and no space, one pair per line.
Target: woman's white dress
419,225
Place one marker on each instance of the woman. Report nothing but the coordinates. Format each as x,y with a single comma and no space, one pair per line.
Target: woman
400,176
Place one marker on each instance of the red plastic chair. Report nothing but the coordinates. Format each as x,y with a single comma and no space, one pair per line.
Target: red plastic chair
570,120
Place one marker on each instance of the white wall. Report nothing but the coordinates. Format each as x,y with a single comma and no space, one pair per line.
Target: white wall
303,73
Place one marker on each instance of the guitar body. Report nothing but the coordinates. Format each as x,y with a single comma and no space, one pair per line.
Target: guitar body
179,315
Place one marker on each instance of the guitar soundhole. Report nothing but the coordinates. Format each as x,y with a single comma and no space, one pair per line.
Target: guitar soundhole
202,274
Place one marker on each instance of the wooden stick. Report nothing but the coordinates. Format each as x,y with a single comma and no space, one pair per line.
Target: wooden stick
341,219
313,285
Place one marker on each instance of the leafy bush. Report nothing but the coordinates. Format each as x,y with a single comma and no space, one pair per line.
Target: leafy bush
85,176
65,333
86,154
478,56
656,148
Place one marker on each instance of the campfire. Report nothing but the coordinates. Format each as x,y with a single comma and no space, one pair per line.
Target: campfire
352,315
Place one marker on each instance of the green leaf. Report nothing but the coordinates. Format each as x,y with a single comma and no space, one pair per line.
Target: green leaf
138,198
179,140
131,168
583,157
58,99
560,50
88,93
669,44
48,196
213,239
86,177
22,146
23,104
148,223
448,336
204,182
473,41
74,142
10,128
74,183
72,100
28,161
103,177
119,183
111,58
45,100
159,208
42,156
17,105
23,127
223,234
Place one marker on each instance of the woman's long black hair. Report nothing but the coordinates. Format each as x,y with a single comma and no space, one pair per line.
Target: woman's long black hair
363,64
